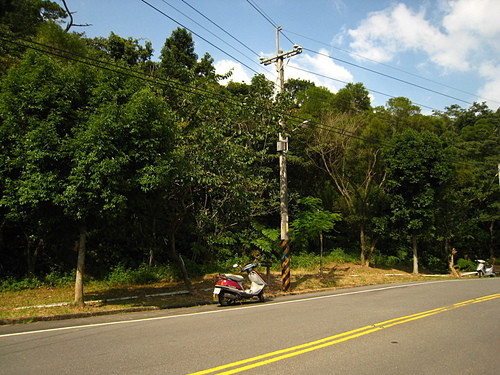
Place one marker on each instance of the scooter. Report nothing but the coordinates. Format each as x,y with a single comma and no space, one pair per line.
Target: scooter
483,269
229,288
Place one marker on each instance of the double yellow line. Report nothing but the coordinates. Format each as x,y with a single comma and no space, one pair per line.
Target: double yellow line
264,359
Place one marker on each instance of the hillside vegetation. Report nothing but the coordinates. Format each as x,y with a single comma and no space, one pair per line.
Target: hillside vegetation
111,160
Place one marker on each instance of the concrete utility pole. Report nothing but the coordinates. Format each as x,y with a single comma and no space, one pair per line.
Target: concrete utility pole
282,147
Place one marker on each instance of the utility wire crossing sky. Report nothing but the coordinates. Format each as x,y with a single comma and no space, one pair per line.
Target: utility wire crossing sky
436,53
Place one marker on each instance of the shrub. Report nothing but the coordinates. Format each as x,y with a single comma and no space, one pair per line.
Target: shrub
436,264
465,265
305,261
385,260
340,256
13,285
142,275
118,275
311,261
55,278
58,278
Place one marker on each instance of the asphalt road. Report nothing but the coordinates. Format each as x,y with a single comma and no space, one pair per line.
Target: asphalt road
438,327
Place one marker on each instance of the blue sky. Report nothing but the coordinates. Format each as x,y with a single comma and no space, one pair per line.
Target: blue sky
434,52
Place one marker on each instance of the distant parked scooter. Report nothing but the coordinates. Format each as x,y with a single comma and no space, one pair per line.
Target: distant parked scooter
483,269
229,288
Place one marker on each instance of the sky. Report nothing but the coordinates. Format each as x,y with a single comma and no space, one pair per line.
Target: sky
435,52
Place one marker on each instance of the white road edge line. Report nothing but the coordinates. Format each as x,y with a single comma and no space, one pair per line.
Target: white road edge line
221,311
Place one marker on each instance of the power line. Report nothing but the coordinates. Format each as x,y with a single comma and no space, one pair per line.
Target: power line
207,30
345,82
387,76
266,17
220,28
258,9
107,65
116,68
262,13
391,67
127,71
199,36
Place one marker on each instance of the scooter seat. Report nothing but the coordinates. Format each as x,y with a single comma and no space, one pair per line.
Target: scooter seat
236,278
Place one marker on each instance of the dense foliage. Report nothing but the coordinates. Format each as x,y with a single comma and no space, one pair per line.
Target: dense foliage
121,161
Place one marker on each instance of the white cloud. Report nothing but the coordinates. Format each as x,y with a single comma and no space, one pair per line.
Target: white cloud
477,16
318,68
387,33
491,90
301,66
459,38
239,74
325,65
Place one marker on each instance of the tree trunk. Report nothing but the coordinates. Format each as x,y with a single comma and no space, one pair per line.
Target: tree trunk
31,255
492,247
370,252
174,254
153,249
80,266
415,256
451,264
1,240
366,249
362,240
320,254
151,258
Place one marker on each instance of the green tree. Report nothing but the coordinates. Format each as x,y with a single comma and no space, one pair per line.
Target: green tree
354,166
39,101
21,18
95,139
296,86
418,172
128,50
219,190
461,117
316,104
401,107
399,113
114,155
178,58
353,98
478,148
311,222
205,67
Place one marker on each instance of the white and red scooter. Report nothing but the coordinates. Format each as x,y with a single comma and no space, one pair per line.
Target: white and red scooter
229,288
484,269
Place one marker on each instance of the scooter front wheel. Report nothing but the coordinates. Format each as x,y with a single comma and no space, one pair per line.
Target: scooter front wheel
225,300
261,296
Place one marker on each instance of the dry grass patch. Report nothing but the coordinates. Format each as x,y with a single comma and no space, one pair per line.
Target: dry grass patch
347,275
152,296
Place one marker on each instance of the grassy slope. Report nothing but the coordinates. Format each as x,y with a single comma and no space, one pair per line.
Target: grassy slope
334,276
